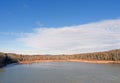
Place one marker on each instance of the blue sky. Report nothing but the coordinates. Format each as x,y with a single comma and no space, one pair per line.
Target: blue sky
21,19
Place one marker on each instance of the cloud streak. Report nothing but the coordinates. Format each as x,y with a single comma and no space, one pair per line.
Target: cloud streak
96,36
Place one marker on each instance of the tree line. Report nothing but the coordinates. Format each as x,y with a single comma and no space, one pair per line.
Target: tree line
112,55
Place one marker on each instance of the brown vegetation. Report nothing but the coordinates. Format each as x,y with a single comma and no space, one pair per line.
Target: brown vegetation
112,56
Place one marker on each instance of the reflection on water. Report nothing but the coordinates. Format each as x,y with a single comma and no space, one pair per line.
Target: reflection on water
1,70
61,72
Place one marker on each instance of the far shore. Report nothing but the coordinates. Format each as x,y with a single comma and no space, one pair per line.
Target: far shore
85,61
105,57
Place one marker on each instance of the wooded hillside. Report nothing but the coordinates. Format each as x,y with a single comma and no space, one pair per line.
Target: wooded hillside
112,55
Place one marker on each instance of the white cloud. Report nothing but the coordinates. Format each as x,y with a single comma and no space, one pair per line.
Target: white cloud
96,36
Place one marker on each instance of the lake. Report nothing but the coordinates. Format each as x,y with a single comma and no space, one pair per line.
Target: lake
61,72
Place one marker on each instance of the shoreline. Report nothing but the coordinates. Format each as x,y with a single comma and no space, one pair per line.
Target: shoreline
105,57
84,61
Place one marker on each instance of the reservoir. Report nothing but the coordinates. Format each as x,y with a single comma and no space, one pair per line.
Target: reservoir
60,72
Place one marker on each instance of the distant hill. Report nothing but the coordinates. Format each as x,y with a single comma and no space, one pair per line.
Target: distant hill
112,56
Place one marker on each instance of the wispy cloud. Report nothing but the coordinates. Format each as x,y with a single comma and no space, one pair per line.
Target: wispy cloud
13,33
38,23
25,5
96,36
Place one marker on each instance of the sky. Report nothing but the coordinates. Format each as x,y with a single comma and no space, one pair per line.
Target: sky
59,26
